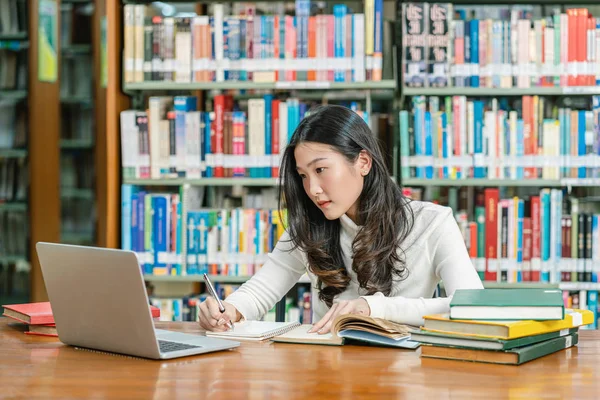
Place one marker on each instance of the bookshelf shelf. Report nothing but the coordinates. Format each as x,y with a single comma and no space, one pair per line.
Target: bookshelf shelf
13,206
466,91
73,193
566,182
13,153
77,238
76,49
481,182
203,182
316,94
519,285
241,85
519,2
199,278
13,36
15,95
76,144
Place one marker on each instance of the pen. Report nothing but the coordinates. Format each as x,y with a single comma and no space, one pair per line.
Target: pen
213,293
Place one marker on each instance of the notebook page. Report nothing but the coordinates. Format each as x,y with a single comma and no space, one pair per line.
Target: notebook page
256,329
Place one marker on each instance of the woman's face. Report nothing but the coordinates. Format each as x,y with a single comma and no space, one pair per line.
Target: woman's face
329,180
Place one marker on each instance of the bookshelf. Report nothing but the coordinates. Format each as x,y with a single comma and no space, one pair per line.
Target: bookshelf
78,134
488,75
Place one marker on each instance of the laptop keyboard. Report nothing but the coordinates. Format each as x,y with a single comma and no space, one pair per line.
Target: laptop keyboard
167,347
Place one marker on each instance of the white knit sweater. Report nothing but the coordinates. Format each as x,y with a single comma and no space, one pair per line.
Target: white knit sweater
434,251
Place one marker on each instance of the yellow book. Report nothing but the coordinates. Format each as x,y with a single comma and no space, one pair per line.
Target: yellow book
505,329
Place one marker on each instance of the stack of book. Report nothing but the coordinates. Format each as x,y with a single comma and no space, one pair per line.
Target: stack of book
501,326
40,319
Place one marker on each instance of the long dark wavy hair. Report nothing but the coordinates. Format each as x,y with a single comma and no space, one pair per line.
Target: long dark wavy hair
384,214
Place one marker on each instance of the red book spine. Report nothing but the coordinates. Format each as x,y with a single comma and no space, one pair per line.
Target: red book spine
219,107
491,233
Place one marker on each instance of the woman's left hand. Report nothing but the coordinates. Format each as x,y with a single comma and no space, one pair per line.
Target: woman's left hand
357,306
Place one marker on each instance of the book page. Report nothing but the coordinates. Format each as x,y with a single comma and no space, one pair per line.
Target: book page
377,326
300,335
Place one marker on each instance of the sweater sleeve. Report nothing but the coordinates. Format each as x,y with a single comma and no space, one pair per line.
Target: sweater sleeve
274,279
451,263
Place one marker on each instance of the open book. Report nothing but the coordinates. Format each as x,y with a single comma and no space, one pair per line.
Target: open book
354,327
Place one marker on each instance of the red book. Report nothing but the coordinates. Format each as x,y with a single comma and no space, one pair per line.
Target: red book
491,234
42,330
41,313
30,313
219,107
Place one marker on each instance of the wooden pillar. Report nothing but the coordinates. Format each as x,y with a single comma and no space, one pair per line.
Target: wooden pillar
44,153
108,154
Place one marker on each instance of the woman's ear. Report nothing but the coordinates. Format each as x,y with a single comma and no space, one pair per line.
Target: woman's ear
364,162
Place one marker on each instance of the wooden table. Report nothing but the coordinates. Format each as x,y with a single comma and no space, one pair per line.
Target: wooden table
36,367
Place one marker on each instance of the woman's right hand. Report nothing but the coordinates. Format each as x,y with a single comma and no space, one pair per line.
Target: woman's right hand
211,319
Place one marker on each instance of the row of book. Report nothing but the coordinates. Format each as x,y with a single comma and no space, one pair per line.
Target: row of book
13,179
458,137
482,327
14,232
251,46
13,66
13,16
542,238
173,139
13,125
170,241
445,46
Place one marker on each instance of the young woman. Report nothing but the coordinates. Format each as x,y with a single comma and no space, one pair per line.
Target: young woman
366,248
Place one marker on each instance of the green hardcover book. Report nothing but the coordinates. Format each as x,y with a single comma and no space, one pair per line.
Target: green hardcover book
515,356
483,343
507,304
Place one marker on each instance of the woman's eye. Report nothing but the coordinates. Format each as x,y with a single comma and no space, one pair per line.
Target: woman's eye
302,176
319,170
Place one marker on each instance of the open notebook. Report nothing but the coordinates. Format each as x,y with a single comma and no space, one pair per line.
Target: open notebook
255,330
360,328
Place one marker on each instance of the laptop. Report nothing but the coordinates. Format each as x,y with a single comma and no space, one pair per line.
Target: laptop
99,302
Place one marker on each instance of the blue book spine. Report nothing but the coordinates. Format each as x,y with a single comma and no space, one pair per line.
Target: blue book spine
191,258
556,234
567,133
545,233
404,144
141,206
479,172
161,231
581,173
428,144
475,50
339,15
242,48
266,171
126,198
133,229
226,41
203,225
